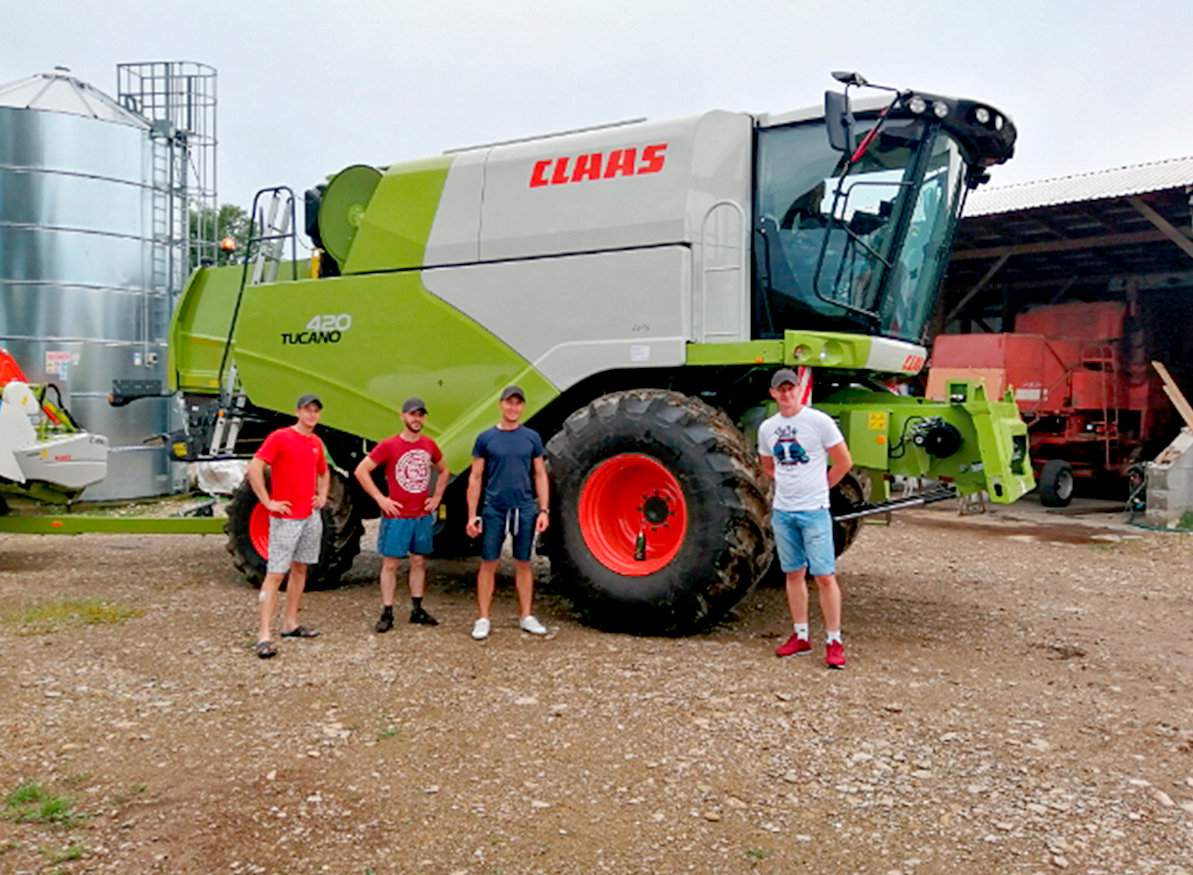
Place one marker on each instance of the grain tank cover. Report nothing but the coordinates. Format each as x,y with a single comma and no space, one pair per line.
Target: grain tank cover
58,92
646,184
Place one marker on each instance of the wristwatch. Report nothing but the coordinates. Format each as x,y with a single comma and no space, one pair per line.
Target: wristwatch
544,510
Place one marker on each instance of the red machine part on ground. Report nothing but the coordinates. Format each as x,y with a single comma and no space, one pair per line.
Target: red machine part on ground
1081,377
9,369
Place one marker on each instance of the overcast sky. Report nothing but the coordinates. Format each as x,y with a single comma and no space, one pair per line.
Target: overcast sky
306,88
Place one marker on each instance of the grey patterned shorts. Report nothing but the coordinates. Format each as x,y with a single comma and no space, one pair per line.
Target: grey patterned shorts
294,541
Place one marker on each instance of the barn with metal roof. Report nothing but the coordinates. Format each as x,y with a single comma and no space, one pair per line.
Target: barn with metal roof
1119,234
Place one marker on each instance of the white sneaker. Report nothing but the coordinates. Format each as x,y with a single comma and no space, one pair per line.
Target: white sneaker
480,629
533,626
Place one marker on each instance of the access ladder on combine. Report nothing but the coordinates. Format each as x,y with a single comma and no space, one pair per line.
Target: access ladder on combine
271,226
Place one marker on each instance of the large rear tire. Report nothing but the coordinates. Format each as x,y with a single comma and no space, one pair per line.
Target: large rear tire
247,531
660,513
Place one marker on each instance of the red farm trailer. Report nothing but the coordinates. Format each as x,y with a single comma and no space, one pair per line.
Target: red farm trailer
1080,375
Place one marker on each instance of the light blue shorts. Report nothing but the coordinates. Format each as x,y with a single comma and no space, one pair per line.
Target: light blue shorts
805,540
399,536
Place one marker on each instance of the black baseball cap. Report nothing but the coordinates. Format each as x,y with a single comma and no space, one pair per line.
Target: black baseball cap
783,375
414,403
510,391
304,400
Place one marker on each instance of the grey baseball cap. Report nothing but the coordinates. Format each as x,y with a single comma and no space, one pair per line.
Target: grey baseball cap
414,403
510,391
304,400
783,375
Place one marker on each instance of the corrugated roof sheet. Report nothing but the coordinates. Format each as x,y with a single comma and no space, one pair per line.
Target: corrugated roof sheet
1100,184
56,92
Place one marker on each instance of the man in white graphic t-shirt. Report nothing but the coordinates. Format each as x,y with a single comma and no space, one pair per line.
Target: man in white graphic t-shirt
794,445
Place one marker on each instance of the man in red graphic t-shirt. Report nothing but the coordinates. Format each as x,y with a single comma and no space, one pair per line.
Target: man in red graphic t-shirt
408,512
298,483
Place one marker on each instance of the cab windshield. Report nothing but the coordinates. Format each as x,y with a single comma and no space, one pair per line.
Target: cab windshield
864,255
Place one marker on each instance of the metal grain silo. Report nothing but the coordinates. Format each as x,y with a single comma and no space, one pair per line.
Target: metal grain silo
86,275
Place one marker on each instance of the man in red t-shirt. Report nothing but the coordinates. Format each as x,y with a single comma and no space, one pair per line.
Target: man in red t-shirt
298,483
408,512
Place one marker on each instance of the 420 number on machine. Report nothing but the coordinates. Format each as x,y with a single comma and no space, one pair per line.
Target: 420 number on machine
323,328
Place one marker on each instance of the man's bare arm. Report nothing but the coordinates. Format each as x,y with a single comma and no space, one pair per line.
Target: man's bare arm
256,477
442,476
475,477
841,460
768,465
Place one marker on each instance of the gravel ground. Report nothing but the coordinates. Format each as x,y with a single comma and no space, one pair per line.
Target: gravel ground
1018,699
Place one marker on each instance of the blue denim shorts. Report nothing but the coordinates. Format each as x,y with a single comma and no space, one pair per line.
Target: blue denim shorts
805,540
399,536
518,522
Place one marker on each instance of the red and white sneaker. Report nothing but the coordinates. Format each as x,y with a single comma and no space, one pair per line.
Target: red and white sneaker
794,646
834,654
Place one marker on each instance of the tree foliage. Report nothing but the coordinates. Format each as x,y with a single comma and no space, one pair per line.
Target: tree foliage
228,221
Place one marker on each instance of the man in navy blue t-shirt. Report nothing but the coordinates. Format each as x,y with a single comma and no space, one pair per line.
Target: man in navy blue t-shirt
516,503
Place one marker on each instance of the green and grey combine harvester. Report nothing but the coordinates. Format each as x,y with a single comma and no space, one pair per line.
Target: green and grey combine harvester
641,281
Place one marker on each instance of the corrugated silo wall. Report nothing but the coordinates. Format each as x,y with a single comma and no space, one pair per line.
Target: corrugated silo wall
75,304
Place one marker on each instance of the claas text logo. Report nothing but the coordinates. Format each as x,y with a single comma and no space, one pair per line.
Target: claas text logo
593,166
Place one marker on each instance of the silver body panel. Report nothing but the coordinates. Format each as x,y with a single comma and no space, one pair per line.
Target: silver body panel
624,309
581,265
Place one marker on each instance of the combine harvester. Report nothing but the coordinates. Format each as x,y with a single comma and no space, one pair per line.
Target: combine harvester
641,281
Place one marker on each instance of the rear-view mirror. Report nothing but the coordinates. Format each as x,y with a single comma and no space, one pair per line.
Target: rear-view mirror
838,121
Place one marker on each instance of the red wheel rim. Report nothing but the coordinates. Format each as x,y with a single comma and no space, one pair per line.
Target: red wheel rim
259,530
628,496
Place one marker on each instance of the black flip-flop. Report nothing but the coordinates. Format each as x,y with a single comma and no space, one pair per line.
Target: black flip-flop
301,632
265,649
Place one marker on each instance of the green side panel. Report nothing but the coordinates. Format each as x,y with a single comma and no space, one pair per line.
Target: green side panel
879,429
199,325
818,349
394,229
867,436
826,349
758,352
78,524
387,338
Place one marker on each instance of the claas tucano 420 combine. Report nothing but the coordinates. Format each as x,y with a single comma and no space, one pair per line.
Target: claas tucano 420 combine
641,281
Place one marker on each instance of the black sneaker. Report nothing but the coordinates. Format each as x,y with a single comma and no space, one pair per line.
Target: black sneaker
422,618
385,623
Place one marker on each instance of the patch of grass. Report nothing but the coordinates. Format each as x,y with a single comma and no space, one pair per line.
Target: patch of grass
756,855
1186,522
73,851
388,732
52,616
77,780
33,803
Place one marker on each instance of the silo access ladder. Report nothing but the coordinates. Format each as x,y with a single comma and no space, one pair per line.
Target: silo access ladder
271,225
